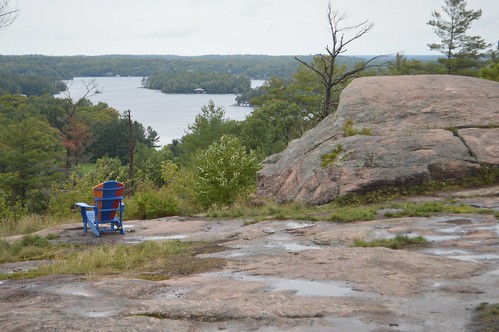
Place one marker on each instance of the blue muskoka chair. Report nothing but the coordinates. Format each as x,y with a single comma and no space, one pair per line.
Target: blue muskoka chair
108,208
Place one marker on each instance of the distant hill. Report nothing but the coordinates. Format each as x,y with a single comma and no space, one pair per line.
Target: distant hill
67,67
432,57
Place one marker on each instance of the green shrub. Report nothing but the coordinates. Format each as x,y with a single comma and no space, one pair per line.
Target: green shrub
226,172
149,202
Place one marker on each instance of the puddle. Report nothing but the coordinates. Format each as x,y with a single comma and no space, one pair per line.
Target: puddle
430,238
444,252
293,247
485,206
389,210
299,287
74,290
298,247
437,238
297,225
92,309
450,220
154,238
496,272
290,226
350,324
462,255
237,254
459,221
453,230
311,288
99,314
476,258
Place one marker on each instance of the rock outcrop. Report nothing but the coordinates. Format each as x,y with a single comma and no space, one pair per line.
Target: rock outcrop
415,128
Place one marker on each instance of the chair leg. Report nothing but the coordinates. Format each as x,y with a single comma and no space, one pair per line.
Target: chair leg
91,222
94,227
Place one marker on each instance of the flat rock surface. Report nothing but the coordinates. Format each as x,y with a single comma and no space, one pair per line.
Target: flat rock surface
285,275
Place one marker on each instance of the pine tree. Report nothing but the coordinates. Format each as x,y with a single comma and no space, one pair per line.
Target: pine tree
29,160
461,51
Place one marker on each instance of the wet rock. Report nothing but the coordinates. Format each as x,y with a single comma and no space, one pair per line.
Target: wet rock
278,281
421,128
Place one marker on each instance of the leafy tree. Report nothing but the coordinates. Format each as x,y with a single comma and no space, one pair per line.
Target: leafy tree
28,85
148,164
209,126
111,139
52,109
180,183
332,75
225,172
461,51
269,128
284,111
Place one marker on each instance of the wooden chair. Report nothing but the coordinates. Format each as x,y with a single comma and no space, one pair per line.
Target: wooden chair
108,208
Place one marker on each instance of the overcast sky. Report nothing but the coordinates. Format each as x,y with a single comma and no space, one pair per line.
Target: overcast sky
200,27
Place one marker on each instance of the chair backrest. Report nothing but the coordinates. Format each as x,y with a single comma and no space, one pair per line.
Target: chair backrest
108,196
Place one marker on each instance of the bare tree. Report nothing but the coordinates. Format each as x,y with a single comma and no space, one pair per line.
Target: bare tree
91,89
7,15
326,66
75,133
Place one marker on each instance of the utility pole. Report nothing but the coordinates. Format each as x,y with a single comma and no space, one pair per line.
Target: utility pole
131,144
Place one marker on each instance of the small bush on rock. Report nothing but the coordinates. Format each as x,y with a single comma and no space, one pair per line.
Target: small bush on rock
226,172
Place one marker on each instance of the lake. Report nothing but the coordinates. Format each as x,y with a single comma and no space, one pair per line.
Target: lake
167,114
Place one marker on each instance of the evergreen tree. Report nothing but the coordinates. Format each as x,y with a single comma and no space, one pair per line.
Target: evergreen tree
208,127
30,160
461,51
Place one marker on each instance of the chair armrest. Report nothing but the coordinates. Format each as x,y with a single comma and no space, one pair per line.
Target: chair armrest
84,205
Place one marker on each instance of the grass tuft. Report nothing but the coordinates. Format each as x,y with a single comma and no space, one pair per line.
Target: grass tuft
398,242
151,259
354,213
30,247
30,224
426,209
344,212
485,318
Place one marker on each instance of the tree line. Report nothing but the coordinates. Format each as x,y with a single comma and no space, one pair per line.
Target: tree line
195,81
67,67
